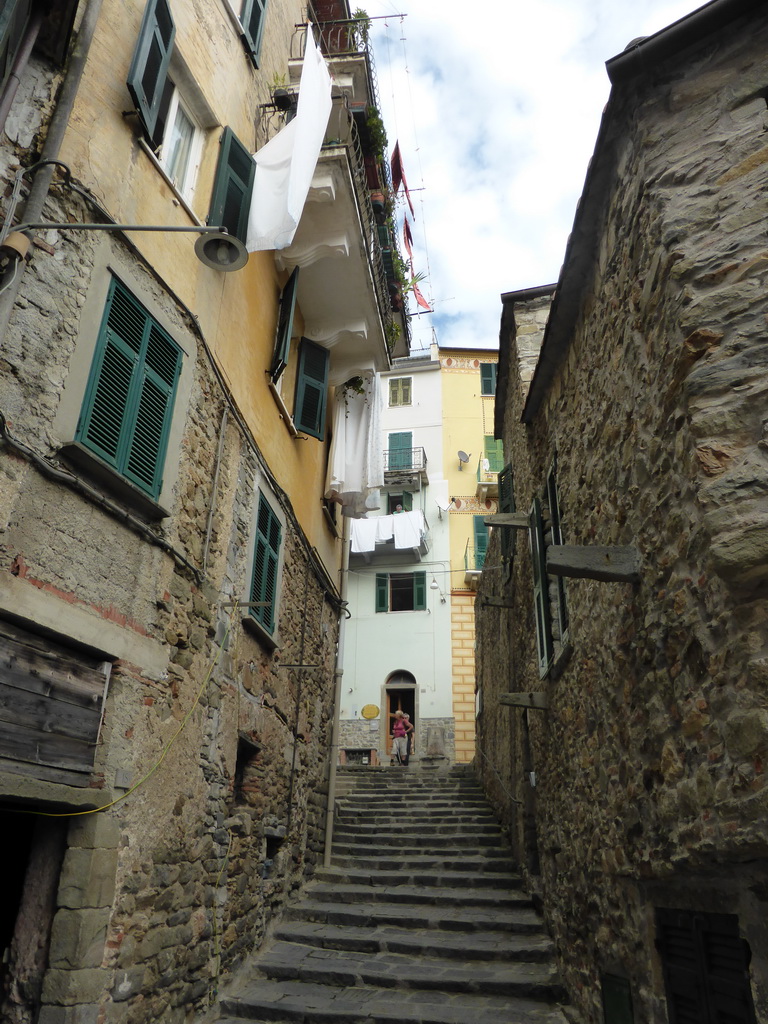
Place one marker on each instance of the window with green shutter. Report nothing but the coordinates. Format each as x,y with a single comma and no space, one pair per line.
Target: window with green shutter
487,378
400,450
148,74
266,558
14,18
543,619
311,389
284,326
549,590
481,540
507,504
493,453
560,605
252,18
232,187
401,591
400,390
128,404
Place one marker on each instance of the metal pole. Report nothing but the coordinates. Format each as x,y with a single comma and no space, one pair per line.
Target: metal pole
329,814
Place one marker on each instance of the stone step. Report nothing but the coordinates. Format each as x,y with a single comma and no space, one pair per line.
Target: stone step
519,918
408,837
390,938
414,895
291,961
296,1001
389,861
422,877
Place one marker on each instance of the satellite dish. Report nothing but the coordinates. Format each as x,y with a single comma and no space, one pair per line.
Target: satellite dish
220,251
463,457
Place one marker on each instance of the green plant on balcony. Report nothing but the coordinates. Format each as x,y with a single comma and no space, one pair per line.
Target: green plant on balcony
392,332
377,135
362,27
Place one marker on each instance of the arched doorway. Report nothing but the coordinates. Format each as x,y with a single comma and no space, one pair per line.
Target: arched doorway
400,690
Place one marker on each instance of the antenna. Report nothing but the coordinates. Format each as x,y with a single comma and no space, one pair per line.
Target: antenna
463,457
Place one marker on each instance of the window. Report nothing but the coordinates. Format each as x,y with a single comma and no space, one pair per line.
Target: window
266,559
481,540
232,187
706,968
128,405
401,591
400,451
551,610
487,378
400,390
284,326
493,454
182,144
405,500
311,389
252,18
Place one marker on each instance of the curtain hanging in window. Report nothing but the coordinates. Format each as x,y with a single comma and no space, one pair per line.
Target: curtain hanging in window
356,463
284,167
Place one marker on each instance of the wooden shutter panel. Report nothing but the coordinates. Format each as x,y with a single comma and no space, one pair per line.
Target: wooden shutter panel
407,501
561,610
149,67
507,504
128,403
252,19
487,378
284,325
382,592
419,591
311,389
265,564
481,541
400,450
232,187
13,23
540,588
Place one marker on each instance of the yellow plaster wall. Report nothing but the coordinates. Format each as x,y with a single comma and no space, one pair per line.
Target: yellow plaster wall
236,312
467,417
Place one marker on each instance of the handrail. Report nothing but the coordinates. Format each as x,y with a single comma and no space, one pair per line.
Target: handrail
514,799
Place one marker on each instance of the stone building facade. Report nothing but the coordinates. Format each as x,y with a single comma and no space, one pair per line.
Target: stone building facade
622,644
170,605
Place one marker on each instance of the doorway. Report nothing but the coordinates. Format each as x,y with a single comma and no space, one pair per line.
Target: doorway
400,689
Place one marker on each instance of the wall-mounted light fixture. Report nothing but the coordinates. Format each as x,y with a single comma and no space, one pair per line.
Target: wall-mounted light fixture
215,247
434,585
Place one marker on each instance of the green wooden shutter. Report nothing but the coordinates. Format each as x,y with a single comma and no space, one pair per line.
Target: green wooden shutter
128,404
311,389
507,504
407,501
540,588
487,378
265,564
400,450
284,326
149,67
419,591
400,391
252,17
232,187
553,501
13,23
382,592
481,541
493,451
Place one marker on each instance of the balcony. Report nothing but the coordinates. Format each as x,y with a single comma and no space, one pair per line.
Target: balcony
401,537
406,468
345,288
487,480
474,559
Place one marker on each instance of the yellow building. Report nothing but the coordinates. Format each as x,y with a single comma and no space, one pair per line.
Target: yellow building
472,458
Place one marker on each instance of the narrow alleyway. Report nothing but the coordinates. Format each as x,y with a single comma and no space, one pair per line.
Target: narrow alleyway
420,920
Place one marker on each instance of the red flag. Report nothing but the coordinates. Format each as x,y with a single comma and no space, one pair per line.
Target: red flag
398,175
408,240
420,298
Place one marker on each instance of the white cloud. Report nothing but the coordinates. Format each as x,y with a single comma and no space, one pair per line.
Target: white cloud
497,106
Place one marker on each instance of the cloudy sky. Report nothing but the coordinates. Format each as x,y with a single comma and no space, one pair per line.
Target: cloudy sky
496,105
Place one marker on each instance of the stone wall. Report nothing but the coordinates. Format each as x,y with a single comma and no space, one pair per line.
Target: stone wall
649,762
214,749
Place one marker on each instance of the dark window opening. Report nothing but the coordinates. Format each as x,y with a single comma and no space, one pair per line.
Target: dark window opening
247,770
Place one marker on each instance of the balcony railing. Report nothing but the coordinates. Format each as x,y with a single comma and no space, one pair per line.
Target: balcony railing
405,460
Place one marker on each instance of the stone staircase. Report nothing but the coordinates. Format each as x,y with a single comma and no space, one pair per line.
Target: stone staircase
420,920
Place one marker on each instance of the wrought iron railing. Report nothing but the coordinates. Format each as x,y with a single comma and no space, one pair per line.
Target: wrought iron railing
405,460
474,559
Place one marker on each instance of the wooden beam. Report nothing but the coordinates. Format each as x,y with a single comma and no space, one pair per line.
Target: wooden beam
591,562
509,520
537,700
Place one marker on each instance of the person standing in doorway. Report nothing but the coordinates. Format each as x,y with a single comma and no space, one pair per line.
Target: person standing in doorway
410,734
400,730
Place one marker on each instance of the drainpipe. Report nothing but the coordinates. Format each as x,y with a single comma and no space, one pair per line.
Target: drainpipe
57,127
329,815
